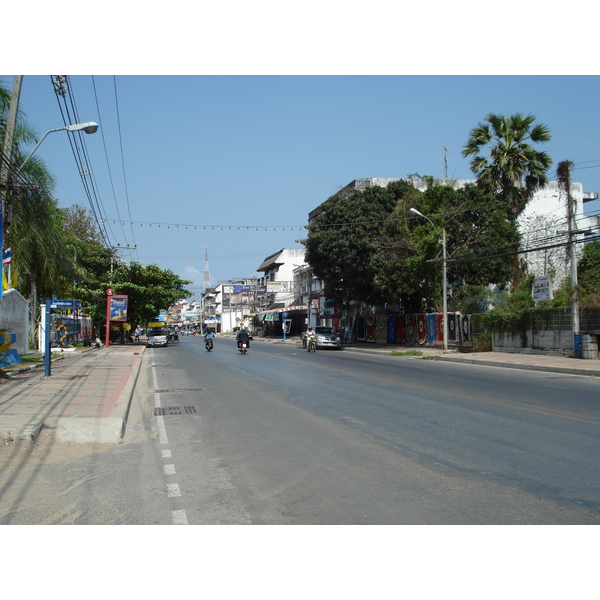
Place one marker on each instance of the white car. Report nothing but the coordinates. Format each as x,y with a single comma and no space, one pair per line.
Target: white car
156,336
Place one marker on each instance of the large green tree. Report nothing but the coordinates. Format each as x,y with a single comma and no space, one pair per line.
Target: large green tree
348,241
368,247
505,161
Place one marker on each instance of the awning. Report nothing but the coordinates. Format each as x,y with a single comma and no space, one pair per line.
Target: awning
273,314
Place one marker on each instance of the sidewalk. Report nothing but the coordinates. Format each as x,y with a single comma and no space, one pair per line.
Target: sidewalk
85,399
532,362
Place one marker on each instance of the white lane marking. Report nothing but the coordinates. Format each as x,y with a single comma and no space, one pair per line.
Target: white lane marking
179,517
154,378
173,490
162,431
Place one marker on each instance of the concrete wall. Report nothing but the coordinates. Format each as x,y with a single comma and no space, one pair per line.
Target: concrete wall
559,342
14,316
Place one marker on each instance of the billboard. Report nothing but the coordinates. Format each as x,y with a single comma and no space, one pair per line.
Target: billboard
542,288
118,308
274,287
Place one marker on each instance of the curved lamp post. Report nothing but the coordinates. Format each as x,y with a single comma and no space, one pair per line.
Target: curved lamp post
90,127
444,278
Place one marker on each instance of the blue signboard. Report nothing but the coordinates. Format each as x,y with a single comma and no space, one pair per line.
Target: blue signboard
65,304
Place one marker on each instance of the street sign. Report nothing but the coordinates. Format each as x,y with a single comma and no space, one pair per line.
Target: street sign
109,292
65,304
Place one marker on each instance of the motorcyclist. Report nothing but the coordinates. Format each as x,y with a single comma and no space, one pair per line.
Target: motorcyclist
243,335
209,336
310,334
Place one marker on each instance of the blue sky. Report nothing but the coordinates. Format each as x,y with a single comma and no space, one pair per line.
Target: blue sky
260,152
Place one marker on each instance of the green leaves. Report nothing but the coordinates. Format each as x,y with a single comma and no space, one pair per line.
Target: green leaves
505,162
367,247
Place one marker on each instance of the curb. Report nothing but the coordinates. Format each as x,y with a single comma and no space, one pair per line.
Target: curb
101,430
591,372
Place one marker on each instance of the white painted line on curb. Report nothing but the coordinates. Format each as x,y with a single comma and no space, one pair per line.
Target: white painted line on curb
179,517
173,490
169,469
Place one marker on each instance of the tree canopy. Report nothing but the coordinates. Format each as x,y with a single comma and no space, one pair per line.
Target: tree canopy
368,247
506,164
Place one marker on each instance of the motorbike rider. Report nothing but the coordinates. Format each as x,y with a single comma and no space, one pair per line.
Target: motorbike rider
209,335
243,335
310,334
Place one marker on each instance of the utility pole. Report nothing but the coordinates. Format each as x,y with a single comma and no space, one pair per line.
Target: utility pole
7,150
564,180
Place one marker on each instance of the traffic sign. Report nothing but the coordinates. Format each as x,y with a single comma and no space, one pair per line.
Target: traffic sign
65,303
109,292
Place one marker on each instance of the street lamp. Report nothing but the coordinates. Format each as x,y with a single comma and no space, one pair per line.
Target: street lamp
90,127
444,280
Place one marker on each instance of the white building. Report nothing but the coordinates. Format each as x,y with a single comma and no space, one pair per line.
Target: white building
283,299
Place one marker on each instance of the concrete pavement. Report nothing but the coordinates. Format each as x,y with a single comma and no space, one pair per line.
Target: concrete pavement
87,396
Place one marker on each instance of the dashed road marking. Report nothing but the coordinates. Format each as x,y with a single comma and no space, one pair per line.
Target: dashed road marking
173,490
179,517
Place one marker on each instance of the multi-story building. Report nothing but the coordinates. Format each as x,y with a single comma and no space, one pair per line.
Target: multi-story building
281,309
229,305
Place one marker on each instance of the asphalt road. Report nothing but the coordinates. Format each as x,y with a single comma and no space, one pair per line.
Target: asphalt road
281,436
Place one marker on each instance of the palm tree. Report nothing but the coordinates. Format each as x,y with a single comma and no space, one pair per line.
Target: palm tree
35,232
513,170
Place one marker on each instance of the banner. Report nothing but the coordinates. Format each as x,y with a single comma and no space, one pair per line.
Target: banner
118,308
274,287
542,288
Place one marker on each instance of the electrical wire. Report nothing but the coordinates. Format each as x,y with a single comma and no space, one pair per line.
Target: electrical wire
70,115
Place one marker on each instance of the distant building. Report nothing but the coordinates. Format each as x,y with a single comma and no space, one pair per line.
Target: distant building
282,304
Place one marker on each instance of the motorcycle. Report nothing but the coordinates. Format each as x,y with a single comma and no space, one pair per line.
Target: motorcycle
243,347
209,344
311,344
173,336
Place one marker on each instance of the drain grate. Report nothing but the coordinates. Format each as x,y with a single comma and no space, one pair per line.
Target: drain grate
175,390
163,411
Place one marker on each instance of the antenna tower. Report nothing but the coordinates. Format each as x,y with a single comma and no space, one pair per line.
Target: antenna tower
206,271
445,163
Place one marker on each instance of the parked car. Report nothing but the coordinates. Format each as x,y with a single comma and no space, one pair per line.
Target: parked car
328,338
157,336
